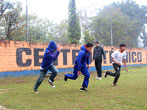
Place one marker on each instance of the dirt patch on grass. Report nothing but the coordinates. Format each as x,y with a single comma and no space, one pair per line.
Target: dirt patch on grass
5,90
18,80
4,108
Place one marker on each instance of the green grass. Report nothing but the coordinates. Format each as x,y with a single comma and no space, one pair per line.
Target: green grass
130,94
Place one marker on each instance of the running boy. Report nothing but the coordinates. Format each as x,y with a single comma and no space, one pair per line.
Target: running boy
118,57
82,59
51,53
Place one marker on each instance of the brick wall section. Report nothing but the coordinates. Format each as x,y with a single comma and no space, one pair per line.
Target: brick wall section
8,56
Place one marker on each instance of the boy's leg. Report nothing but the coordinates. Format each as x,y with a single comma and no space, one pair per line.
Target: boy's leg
54,72
74,75
85,72
40,79
117,70
96,66
99,68
110,73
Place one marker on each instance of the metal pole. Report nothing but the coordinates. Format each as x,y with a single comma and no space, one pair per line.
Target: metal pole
26,20
111,34
111,28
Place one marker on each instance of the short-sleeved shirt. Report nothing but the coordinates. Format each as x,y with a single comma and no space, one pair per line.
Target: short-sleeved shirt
118,56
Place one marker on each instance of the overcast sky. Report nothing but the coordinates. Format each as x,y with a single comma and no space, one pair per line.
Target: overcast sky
57,10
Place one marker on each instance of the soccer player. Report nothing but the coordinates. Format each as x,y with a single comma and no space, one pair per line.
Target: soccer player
82,65
118,57
51,53
97,56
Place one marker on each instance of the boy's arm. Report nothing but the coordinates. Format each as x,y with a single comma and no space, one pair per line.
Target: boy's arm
125,65
116,61
88,61
103,53
79,59
124,61
94,54
54,56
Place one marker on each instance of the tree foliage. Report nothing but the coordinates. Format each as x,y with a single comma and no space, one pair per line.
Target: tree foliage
88,37
127,19
74,29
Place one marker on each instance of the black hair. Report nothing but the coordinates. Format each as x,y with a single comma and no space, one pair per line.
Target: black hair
122,45
96,42
89,45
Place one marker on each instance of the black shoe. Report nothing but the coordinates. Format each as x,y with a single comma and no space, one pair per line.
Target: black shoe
83,89
36,91
106,74
65,78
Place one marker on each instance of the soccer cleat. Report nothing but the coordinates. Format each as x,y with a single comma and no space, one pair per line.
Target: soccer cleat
65,78
83,89
114,84
36,91
106,74
51,83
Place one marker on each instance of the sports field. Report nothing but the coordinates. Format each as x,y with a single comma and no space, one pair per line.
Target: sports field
130,94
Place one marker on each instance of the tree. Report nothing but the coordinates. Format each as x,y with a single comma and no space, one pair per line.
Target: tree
144,37
74,29
13,23
88,38
127,20
137,14
85,20
63,32
10,21
19,34
42,30
39,30
101,27
4,6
